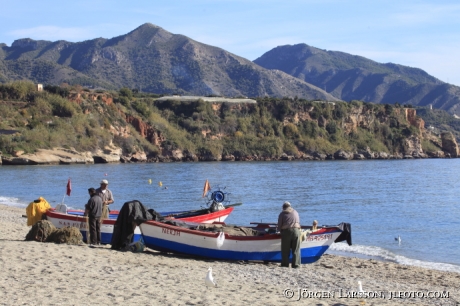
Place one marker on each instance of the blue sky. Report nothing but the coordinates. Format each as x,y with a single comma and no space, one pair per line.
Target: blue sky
422,34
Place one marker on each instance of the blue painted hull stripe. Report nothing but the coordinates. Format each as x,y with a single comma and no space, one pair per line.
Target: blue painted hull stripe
307,255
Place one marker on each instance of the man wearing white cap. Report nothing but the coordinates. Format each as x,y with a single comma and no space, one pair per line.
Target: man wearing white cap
289,226
105,193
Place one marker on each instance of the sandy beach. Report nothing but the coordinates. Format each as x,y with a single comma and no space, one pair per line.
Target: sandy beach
35,273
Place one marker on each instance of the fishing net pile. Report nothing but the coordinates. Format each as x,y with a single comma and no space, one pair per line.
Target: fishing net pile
68,235
232,230
40,231
45,231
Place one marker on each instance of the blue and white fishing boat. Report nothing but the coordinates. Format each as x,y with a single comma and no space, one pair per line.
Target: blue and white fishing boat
260,242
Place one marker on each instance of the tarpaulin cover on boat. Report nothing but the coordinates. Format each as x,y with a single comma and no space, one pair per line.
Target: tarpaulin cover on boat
131,214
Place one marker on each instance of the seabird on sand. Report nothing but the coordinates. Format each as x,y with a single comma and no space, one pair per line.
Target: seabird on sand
360,287
361,292
209,281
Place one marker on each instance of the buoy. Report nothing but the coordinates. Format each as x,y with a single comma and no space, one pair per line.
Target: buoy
150,181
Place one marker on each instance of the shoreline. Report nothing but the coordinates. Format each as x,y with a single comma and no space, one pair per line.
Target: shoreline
440,266
22,161
54,157
49,273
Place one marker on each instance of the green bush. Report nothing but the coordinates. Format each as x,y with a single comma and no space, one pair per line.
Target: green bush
320,145
17,90
127,144
290,148
340,110
126,92
142,108
361,139
6,144
290,131
62,107
429,147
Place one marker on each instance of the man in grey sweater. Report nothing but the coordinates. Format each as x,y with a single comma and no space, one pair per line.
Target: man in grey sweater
93,209
289,226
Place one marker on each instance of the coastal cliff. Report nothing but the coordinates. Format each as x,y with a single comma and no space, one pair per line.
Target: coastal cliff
71,125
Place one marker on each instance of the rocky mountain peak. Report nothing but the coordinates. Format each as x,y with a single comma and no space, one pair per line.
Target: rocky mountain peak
25,43
352,77
161,62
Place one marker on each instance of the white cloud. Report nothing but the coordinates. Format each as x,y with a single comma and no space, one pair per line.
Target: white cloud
427,13
52,33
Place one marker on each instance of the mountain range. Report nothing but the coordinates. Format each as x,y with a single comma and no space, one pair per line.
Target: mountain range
350,77
151,59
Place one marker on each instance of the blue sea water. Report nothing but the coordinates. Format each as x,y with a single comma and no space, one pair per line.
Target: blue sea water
414,199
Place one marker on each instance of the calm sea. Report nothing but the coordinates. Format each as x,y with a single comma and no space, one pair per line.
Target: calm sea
414,199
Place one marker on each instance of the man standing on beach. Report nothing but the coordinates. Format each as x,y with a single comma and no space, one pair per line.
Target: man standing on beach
289,226
93,209
106,195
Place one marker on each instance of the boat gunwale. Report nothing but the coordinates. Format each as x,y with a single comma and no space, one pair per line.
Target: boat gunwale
52,213
76,218
267,236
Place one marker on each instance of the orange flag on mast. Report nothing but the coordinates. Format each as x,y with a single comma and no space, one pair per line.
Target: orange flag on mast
206,188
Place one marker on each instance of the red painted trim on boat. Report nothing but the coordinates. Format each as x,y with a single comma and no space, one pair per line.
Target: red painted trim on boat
210,216
198,219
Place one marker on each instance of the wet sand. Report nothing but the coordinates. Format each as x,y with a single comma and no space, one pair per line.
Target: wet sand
36,273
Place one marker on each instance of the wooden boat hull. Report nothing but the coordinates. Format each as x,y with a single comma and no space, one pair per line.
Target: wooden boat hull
170,238
76,219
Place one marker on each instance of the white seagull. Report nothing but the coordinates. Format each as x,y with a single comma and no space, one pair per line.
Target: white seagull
360,287
361,292
209,281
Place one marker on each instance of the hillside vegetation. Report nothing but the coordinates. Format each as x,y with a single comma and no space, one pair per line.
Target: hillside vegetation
86,120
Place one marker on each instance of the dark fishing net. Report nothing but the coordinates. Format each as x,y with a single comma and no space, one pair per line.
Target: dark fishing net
40,231
68,235
232,230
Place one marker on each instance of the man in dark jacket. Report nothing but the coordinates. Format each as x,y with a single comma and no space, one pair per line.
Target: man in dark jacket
93,209
289,226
